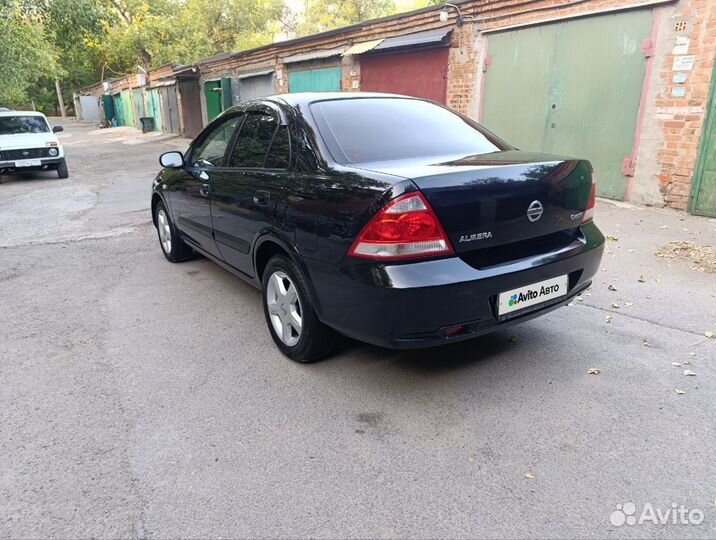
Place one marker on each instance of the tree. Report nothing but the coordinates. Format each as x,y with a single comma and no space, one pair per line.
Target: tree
27,54
321,15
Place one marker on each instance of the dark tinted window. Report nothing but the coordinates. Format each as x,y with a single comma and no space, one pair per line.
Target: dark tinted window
253,142
382,129
15,125
280,153
212,149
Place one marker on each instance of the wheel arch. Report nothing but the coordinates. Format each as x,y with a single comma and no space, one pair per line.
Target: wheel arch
156,199
269,245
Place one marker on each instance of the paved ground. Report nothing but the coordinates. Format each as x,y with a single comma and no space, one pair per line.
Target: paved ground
141,398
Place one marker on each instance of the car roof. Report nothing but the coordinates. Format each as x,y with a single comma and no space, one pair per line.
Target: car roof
21,113
304,98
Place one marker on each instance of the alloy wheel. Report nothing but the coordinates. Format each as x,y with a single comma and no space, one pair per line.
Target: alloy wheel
284,307
165,231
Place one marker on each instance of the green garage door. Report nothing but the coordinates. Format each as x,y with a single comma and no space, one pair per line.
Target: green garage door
315,80
703,191
571,87
212,94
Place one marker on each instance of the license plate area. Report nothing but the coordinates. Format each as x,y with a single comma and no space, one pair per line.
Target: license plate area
28,163
519,299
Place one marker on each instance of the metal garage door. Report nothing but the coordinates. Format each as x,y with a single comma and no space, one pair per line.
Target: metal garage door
138,100
253,86
212,98
127,108
118,112
170,108
414,73
154,108
571,88
703,195
327,79
412,64
90,108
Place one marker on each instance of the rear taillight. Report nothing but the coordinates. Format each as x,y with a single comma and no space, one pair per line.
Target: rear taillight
589,210
407,227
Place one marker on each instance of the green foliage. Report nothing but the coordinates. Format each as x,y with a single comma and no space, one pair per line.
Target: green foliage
328,14
27,54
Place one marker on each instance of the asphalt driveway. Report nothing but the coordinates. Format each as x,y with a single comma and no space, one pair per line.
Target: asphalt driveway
144,399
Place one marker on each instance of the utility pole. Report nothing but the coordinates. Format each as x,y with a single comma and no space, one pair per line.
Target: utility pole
59,98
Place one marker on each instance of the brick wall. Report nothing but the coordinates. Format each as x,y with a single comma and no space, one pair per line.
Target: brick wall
681,118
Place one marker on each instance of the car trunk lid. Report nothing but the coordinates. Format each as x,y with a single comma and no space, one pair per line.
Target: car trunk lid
501,198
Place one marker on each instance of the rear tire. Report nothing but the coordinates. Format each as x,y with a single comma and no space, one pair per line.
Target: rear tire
173,247
290,315
62,171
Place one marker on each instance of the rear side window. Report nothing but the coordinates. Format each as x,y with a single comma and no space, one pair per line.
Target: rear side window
253,142
384,129
279,156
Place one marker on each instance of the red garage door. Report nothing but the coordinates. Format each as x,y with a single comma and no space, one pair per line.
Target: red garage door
421,73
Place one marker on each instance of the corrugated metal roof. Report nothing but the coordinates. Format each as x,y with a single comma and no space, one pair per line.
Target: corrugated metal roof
418,38
312,55
255,73
360,48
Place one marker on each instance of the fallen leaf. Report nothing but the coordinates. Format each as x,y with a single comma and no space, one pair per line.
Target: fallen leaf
628,304
580,299
608,319
679,391
593,371
664,226
529,476
612,238
612,287
686,362
677,364
689,373
709,334
645,342
641,279
615,305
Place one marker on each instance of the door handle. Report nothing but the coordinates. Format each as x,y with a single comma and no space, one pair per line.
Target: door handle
204,190
262,197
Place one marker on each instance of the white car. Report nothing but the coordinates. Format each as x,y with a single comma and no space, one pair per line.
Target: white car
27,143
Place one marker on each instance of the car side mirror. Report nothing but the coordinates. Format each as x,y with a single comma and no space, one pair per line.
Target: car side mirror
171,160
57,129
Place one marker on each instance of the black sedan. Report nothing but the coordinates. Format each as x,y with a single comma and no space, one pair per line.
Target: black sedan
389,219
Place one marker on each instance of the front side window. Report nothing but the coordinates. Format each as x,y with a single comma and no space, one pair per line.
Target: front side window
385,129
16,125
212,149
253,142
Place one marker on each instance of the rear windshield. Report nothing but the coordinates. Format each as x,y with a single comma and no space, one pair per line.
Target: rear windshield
383,129
14,125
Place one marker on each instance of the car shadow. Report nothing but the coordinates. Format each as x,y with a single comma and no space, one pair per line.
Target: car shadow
429,361
24,177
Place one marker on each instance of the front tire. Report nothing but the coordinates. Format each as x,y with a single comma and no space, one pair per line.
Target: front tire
290,315
173,247
62,171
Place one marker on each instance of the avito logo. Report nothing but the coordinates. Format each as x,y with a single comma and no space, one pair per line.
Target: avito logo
532,294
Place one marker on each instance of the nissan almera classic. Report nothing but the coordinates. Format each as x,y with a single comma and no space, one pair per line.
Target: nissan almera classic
389,219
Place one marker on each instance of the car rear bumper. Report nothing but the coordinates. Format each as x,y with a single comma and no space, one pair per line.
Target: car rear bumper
412,305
